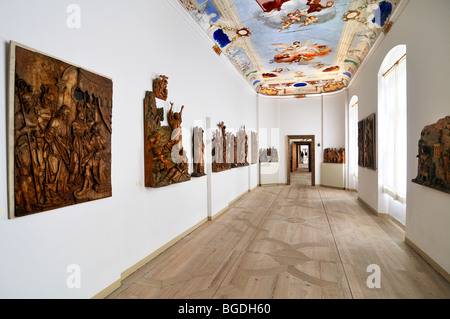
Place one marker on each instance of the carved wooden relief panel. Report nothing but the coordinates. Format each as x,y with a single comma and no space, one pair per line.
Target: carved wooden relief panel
60,133
222,149
254,152
361,143
433,158
241,158
199,152
269,155
166,162
369,143
333,155
160,87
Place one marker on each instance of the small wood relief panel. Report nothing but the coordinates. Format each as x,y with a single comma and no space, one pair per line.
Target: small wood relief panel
60,138
241,146
254,143
269,155
199,152
367,143
333,155
166,162
361,143
222,149
433,159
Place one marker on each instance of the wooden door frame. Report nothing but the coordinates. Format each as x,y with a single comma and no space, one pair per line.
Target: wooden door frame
312,151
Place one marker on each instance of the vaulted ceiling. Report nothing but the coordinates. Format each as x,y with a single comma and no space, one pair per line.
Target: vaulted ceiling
293,47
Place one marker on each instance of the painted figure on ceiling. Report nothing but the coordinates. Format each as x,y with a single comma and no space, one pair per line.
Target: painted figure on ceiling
269,6
315,6
298,52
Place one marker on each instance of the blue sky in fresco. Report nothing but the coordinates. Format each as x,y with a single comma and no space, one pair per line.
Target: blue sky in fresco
263,36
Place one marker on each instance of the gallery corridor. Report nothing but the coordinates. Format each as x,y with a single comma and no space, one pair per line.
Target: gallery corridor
289,242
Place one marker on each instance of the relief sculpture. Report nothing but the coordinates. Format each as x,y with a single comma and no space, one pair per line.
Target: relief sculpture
62,126
222,149
254,143
333,155
269,155
199,152
433,158
166,162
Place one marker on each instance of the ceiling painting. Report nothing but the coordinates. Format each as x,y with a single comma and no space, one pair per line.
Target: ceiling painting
293,47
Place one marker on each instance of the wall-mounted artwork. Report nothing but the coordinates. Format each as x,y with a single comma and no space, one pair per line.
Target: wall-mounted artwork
166,162
369,143
241,146
254,143
361,143
333,155
222,149
160,87
199,152
269,155
60,119
434,156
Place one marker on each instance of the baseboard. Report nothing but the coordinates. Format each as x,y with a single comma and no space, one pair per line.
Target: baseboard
428,259
114,286
372,209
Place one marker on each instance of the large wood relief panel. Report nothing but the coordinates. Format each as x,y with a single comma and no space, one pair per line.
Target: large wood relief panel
60,120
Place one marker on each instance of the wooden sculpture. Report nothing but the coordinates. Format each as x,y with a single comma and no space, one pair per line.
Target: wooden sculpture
241,147
332,155
222,149
166,162
254,148
199,150
361,143
160,87
62,126
269,155
433,158
369,142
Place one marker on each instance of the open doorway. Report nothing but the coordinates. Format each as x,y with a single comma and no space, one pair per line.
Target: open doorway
300,160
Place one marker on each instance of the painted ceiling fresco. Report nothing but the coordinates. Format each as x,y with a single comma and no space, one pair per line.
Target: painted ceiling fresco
294,47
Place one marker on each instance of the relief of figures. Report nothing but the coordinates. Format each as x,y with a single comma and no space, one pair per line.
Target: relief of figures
166,162
199,152
333,155
369,142
254,142
361,143
434,156
222,149
62,134
269,155
241,145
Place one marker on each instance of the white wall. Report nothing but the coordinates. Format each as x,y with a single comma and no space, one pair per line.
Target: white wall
427,210
130,42
321,116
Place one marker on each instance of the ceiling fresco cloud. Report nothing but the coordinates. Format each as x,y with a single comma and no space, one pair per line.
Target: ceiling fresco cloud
294,47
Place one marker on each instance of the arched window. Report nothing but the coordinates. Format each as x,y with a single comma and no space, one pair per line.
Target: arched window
392,105
352,157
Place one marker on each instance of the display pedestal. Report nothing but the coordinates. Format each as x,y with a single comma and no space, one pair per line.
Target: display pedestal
269,173
333,175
